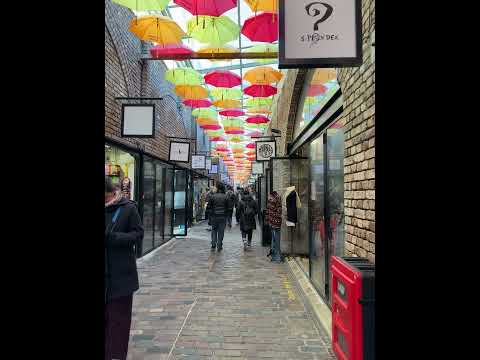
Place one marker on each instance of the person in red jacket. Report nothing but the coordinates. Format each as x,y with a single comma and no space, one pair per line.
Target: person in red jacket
274,219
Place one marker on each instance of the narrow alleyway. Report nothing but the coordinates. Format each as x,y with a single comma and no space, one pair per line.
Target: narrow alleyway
195,304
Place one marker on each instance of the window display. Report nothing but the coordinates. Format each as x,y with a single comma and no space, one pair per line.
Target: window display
119,165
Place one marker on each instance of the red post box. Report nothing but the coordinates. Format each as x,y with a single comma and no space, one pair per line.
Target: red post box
353,314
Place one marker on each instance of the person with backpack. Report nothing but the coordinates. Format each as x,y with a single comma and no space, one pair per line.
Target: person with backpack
247,210
123,235
217,213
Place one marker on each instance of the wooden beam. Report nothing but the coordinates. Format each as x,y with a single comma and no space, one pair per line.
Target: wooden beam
218,56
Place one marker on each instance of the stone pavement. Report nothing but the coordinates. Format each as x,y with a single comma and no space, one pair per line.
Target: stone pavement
195,304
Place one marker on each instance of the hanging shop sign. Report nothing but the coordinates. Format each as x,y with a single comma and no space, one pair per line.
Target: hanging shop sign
257,168
213,169
315,34
208,163
265,150
138,120
198,162
179,151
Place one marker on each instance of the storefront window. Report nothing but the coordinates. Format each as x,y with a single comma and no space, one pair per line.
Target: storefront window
168,218
159,203
120,164
200,186
148,204
179,215
321,85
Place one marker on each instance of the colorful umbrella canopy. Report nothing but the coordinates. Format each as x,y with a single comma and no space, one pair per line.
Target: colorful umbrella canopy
235,132
217,138
159,29
158,51
261,126
225,94
232,112
315,90
321,76
227,103
258,102
259,119
209,113
232,122
250,153
263,27
211,127
207,121
259,111
143,5
263,5
214,133
202,103
260,90
262,49
206,7
195,92
223,78
236,138
221,148
217,50
184,76
263,75
213,30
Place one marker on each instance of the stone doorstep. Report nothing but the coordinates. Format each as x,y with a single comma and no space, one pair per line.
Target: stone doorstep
320,310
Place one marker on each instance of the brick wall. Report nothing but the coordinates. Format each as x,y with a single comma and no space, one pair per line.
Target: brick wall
127,75
358,88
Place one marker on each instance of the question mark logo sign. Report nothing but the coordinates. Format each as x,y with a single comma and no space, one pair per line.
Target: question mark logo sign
314,12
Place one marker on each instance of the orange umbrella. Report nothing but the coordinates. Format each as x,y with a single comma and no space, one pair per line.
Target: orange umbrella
159,29
259,111
263,75
206,121
263,5
218,50
227,104
195,92
321,76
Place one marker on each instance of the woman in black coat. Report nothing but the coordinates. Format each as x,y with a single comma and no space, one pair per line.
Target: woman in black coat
247,209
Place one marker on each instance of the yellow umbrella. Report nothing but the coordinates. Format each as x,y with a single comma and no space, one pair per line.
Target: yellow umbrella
159,29
263,75
195,92
207,121
218,50
263,5
228,104
259,111
322,76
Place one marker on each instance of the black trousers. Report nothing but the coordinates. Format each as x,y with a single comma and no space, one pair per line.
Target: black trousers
118,318
248,234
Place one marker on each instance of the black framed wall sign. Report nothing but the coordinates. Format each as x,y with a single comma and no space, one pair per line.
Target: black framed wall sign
138,120
257,168
265,150
198,162
179,152
317,34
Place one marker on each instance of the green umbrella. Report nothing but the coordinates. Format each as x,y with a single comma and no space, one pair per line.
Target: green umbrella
256,126
263,49
225,93
232,122
184,76
258,102
143,5
216,31
205,113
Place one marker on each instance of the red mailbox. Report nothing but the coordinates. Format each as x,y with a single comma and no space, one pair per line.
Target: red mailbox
353,315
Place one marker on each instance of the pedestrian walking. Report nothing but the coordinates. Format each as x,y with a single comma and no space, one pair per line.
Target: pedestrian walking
231,205
238,195
217,212
123,234
247,209
274,220
210,193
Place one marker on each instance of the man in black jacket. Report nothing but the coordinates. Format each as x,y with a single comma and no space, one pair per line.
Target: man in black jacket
123,233
218,211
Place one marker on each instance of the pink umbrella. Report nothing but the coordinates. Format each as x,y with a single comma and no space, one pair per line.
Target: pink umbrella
232,112
203,103
211,127
207,7
260,90
315,90
259,119
263,27
234,132
255,134
221,149
160,50
223,78
217,138
251,146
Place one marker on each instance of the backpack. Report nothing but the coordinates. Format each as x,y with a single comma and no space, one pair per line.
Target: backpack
249,211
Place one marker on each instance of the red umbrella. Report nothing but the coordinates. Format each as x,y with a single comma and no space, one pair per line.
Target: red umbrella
234,132
251,158
251,146
259,119
160,50
223,78
260,90
210,7
232,112
315,90
263,27
221,148
217,138
211,127
203,103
